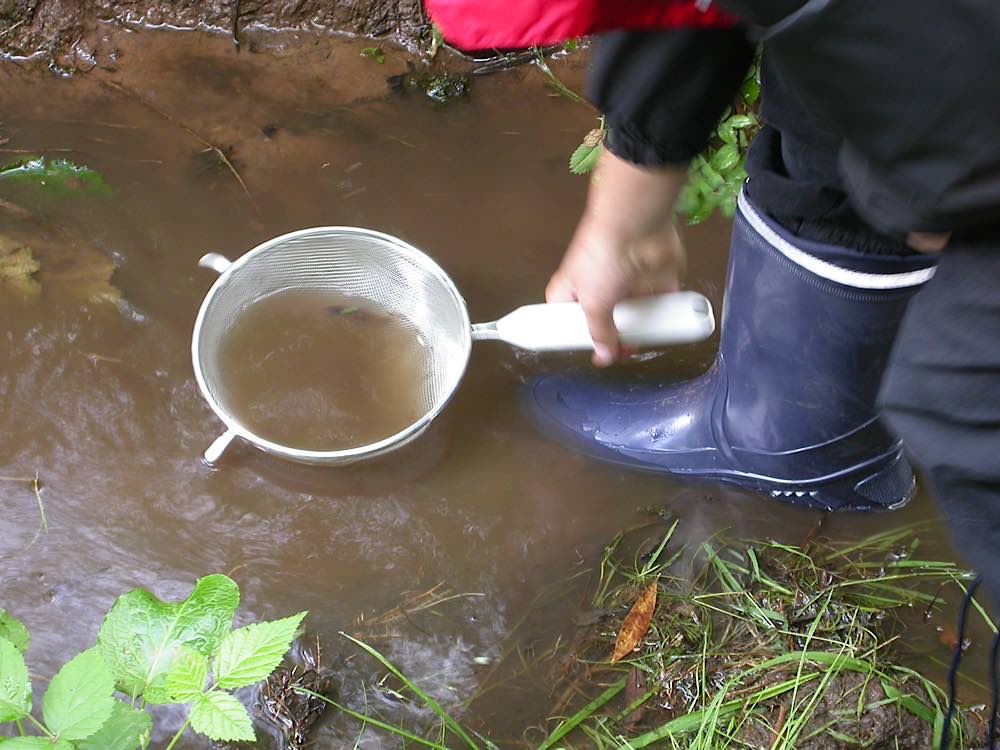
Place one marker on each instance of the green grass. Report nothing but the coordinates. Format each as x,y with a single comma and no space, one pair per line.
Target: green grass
752,644
767,644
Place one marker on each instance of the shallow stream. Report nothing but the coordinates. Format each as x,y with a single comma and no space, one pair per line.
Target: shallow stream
98,397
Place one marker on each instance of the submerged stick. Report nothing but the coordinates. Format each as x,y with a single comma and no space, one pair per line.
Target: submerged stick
9,29
43,524
188,129
236,24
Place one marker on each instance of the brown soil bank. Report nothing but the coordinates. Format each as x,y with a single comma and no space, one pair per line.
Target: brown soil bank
68,32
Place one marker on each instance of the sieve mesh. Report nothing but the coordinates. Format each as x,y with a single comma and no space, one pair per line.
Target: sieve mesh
347,261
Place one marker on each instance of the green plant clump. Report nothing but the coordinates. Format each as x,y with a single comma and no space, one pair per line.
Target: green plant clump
717,174
59,177
148,652
374,53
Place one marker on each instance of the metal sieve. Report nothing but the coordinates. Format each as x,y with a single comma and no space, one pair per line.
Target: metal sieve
406,283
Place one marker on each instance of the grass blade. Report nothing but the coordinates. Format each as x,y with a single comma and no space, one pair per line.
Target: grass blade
431,703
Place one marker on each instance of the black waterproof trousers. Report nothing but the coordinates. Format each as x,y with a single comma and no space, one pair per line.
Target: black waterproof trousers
941,393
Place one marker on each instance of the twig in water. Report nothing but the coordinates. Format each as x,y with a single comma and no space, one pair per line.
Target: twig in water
9,29
403,141
554,81
43,524
95,358
187,128
38,150
74,121
434,597
236,24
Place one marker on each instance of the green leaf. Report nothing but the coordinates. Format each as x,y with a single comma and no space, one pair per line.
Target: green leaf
726,157
14,631
219,716
737,122
689,199
142,636
584,158
750,91
79,699
15,687
702,212
436,41
55,176
250,654
712,177
183,682
726,132
375,53
127,729
35,743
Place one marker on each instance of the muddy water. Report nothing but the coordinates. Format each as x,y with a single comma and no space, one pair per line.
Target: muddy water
483,510
318,371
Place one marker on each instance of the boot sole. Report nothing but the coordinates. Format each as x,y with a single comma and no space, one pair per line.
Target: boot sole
889,486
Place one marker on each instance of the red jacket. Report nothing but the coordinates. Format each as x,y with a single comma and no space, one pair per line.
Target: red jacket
505,24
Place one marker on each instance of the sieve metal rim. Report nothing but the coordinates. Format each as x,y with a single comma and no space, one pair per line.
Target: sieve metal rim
346,455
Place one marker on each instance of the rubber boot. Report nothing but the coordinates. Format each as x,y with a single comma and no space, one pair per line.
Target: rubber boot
788,407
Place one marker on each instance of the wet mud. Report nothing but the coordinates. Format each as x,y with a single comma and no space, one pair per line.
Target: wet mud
464,556
73,34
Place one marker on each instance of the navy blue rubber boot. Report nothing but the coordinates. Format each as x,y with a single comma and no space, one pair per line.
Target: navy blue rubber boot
788,407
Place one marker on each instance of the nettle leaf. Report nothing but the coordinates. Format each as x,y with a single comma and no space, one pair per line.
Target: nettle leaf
248,655
584,159
14,631
15,687
219,716
141,636
79,698
127,729
36,743
183,682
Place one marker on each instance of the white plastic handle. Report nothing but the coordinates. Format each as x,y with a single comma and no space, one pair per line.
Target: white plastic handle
676,318
218,447
215,261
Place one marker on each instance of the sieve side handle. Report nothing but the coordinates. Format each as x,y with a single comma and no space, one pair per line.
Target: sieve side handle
218,447
676,318
215,261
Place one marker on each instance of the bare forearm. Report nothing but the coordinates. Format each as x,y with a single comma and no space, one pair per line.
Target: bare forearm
625,244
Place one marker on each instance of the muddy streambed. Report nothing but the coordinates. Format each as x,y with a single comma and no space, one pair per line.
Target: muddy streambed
99,398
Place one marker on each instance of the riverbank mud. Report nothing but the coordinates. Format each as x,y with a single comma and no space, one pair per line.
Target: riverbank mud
73,34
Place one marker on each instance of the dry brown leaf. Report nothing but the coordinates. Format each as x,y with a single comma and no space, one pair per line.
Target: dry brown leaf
636,623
